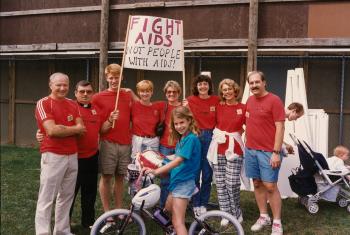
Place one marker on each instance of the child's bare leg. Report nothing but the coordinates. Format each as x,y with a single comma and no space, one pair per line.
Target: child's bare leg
169,203
179,206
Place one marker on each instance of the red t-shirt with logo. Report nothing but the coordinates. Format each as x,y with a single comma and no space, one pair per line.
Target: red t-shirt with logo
164,140
203,110
63,112
145,118
88,143
230,118
261,115
105,102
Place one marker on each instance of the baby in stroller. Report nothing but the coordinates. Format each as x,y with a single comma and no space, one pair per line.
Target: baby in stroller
315,180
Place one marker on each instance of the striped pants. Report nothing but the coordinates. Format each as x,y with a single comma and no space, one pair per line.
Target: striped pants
227,177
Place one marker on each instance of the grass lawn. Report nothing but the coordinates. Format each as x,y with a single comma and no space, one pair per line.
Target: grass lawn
20,170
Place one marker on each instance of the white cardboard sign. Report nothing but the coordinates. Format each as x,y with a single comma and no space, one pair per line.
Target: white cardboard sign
154,43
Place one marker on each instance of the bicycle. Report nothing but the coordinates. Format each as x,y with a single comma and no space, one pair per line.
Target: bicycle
123,221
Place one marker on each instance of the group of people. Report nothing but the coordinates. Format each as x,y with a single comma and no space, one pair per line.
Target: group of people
90,135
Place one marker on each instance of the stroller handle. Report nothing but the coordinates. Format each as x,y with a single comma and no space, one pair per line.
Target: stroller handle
294,138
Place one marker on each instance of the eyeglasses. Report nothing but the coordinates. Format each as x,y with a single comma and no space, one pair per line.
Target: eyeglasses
85,91
171,92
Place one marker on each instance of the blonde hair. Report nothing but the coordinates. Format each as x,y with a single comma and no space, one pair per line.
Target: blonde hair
231,83
340,150
113,69
144,85
182,113
172,84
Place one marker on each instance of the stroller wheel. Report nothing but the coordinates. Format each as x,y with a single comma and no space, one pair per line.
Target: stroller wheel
348,208
342,202
313,208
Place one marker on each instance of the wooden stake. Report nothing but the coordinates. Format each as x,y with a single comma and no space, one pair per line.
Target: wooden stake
122,68
253,35
12,104
183,62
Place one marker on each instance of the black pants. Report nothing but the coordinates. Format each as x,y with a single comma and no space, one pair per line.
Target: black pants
87,183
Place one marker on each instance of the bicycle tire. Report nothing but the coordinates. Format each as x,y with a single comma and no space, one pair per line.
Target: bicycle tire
212,219
104,226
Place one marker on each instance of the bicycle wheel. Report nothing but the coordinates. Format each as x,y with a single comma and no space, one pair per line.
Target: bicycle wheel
210,223
112,222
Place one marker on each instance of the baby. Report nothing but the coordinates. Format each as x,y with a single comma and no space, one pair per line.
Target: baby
336,162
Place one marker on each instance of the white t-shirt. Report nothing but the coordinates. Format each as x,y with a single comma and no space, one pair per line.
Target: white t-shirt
336,163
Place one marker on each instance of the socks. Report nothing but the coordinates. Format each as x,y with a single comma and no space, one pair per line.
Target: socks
265,215
277,221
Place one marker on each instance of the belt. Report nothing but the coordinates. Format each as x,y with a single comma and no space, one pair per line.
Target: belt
147,136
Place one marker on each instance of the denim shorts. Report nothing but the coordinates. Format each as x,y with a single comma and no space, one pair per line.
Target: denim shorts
184,189
257,165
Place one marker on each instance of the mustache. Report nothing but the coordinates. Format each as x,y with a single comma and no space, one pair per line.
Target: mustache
255,88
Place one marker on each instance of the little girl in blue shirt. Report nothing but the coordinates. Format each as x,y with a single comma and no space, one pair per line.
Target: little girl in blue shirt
184,168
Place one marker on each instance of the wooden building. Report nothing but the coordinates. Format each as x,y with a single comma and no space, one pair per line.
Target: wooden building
226,37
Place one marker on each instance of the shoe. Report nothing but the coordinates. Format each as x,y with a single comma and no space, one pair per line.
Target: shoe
197,211
203,210
240,218
260,223
109,223
224,222
277,229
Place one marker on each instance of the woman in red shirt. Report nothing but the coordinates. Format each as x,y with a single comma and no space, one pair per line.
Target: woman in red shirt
226,148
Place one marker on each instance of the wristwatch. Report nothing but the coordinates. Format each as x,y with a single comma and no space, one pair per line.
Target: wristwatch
276,151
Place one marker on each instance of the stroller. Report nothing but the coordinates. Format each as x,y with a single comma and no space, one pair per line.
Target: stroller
313,180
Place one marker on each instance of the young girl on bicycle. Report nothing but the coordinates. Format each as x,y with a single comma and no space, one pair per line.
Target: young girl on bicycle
184,168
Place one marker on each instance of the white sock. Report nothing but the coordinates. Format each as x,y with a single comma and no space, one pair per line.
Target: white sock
265,215
277,221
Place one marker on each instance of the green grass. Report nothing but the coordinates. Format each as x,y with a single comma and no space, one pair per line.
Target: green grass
20,170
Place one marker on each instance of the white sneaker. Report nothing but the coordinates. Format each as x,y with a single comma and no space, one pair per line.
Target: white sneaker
277,229
197,211
260,223
240,219
203,210
224,222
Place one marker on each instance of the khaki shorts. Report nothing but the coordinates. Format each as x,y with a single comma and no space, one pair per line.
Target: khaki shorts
114,158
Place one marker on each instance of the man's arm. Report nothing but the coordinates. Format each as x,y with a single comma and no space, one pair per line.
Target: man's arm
275,158
54,130
109,122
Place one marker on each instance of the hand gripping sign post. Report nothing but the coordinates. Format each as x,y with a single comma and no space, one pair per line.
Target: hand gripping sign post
153,43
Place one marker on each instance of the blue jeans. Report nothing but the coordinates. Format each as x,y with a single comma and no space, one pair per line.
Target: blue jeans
202,197
164,182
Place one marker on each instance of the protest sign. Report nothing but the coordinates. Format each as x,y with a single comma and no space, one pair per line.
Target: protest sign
154,43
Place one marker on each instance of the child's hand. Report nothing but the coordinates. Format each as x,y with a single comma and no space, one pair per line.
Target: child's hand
147,170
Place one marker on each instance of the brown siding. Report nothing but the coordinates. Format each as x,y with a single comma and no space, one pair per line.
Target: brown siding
282,20
328,20
78,27
22,5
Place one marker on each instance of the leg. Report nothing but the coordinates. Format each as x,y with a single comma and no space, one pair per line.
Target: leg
89,191
233,170
220,177
77,187
65,196
50,178
207,171
179,206
274,199
169,203
118,191
105,191
260,195
164,184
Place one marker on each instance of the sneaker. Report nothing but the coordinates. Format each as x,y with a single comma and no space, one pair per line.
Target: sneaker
109,223
240,219
260,223
224,222
277,229
203,210
197,211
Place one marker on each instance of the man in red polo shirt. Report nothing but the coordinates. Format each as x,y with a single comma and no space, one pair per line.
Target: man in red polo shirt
265,117
88,151
59,120
115,145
